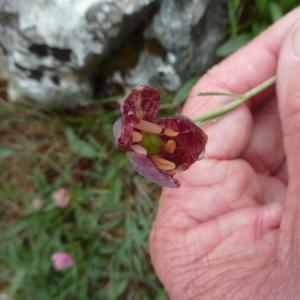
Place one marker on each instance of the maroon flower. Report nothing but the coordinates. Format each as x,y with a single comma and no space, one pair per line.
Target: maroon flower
158,148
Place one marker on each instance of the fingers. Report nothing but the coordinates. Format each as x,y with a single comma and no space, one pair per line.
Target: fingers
243,70
264,218
288,90
230,185
265,150
210,189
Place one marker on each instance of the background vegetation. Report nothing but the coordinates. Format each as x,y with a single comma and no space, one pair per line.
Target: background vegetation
107,223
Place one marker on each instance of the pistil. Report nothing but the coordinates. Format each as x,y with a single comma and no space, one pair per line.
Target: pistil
151,142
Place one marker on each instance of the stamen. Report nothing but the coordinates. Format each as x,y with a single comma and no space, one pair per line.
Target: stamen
170,132
139,149
136,137
163,164
170,146
176,170
148,127
172,172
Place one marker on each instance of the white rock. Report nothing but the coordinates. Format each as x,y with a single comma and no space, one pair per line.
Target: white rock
50,49
50,43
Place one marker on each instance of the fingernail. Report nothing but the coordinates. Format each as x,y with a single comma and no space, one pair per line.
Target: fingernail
296,40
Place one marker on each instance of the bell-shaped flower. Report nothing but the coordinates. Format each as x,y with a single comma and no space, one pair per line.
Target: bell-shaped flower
158,148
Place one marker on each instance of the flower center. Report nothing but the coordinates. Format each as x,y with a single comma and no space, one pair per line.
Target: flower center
151,142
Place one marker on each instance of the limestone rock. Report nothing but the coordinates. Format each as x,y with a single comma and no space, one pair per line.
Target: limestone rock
49,43
50,50
189,31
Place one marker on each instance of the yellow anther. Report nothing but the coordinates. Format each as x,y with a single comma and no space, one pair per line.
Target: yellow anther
136,137
170,146
139,149
163,164
148,127
170,132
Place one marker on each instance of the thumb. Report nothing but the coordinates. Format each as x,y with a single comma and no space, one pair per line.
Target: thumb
288,91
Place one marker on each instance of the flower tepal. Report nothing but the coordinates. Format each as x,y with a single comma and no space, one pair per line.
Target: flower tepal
158,148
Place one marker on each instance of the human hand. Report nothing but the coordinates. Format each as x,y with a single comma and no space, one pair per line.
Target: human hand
232,230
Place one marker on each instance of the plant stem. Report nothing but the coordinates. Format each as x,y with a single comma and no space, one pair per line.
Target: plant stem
219,112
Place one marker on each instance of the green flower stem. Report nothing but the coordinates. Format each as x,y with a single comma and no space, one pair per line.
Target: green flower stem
240,99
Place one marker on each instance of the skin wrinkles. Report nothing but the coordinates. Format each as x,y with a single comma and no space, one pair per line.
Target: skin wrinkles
198,258
232,230
247,185
232,176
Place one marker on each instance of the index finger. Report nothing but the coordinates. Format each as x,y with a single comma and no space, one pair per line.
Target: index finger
240,72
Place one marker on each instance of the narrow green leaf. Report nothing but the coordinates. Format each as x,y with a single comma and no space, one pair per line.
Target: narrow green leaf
109,249
79,146
261,6
287,5
233,9
259,27
40,181
233,44
107,100
17,281
7,152
184,91
116,190
275,11
119,288
235,5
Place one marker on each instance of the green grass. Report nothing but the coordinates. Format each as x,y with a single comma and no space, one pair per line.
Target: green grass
248,18
107,224
105,227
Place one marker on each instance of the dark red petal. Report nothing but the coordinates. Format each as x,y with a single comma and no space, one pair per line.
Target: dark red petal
190,141
145,167
122,134
141,103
